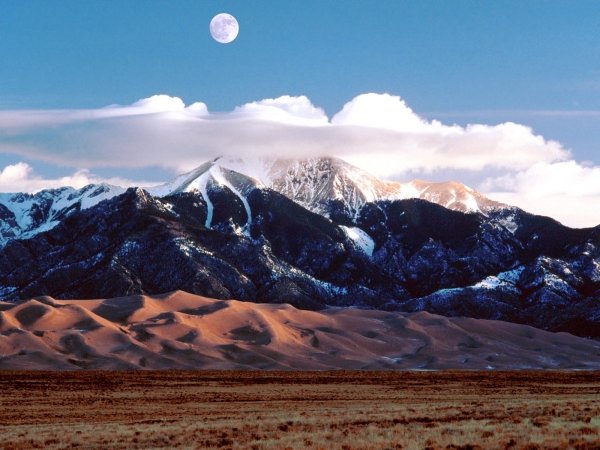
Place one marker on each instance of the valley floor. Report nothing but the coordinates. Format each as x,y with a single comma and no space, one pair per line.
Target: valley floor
328,410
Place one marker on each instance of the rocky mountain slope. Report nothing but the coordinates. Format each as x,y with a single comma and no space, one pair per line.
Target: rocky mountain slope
181,330
225,235
25,215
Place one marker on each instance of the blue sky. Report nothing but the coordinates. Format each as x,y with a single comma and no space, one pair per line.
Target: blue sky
439,55
530,62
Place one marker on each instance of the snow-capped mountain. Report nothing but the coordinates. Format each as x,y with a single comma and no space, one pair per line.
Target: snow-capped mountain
456,196
25,215
327,186
316,182
210,177
323,185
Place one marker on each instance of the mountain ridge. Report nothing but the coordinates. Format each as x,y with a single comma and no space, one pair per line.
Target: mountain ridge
314,182
24,215
323,185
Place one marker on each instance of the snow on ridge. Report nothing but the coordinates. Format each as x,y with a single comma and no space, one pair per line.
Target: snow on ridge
510,278
201,185
36,213
311,182
362,240
198,180
471,203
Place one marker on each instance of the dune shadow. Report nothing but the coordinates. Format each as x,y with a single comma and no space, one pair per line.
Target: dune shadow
31,314
207,309
119,309
251,335
189,337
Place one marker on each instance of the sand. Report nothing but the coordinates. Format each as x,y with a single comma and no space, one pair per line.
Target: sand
185,331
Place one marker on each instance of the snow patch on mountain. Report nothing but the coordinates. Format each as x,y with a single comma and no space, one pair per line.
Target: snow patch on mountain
509,222
201,184
507,279
361,239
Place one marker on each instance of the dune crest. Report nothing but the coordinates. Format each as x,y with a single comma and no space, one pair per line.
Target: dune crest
185,331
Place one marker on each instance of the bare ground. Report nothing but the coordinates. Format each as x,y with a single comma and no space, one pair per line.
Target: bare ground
328,410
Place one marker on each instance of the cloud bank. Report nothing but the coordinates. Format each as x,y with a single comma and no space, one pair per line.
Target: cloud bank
378,132
21,177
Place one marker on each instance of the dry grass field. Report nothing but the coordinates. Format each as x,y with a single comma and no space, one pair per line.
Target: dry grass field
273,410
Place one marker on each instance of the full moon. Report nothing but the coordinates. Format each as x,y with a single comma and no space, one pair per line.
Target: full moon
224,28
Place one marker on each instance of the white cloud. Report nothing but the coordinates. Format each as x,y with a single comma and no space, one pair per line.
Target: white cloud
14,173
572,211
422,146
20,177
377,132
286,109
158,103
545,180
382,111
567,191
162,104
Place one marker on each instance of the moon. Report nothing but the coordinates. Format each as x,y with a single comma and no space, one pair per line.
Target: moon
224,28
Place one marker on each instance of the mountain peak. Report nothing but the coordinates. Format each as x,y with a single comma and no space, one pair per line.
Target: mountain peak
315,182
455,195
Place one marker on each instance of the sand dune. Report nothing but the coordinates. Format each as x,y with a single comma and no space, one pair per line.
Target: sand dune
181,330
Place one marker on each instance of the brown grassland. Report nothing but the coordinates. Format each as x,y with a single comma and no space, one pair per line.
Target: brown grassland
328,410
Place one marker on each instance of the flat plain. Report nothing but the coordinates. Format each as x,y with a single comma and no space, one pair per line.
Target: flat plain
315,410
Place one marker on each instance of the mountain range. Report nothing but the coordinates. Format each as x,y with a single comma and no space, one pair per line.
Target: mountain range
318,184
314,233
